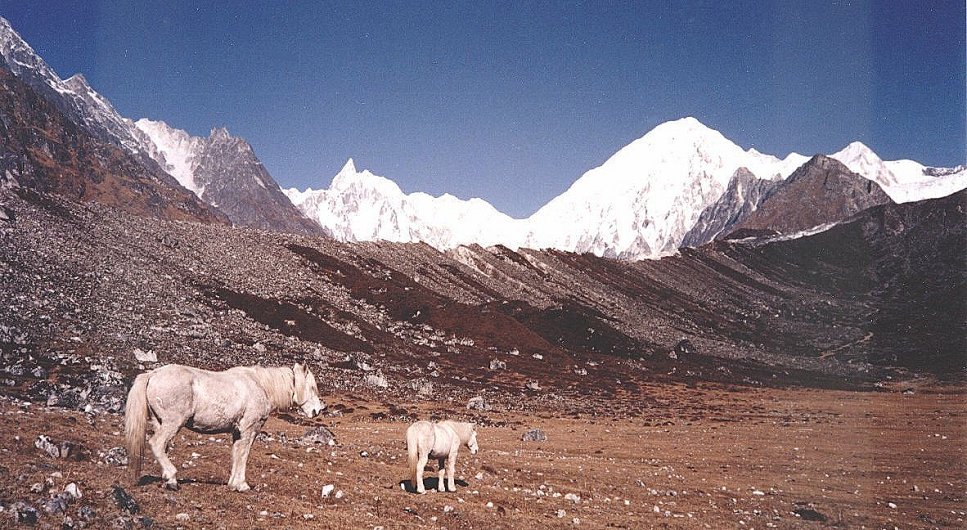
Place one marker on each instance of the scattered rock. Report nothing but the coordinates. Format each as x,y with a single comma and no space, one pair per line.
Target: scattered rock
532,385
685,347
422,387
376,380
64,449
477,403
573,497
497,364
808,514
86,512
328,489
182,517
24,513
534,435
57,504
145,356
124,501
319,435
448,509
116,456
561,514
73,490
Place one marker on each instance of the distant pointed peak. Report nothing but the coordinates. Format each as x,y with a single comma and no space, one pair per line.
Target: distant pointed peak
683,127
855,151
349,167
219,133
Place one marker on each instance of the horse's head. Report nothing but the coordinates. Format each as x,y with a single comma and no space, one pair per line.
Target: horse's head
306,393
472,441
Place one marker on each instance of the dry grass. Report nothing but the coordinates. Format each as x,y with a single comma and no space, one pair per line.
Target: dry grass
750,460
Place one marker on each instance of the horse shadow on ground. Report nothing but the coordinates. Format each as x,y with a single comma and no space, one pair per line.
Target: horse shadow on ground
429,483
149,479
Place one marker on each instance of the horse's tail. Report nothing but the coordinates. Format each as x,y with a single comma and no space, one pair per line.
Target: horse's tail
135,420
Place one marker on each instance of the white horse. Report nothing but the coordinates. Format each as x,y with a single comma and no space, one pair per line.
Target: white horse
237,400
425,440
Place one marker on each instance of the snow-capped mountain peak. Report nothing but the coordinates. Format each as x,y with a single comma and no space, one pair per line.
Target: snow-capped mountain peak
902,180
643,200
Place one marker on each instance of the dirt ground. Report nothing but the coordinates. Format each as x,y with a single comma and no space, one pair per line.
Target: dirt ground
707,458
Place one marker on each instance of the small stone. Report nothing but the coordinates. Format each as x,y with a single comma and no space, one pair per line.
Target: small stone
116,456
73,490
339,494
328,489
145,356
891,505
573,498
561,514
448,509
319,435
124,501
534,435
477,403
24,513
533,385
182,517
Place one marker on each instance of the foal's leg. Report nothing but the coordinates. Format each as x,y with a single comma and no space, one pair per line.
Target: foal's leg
163,433
451,467
442,462
420,464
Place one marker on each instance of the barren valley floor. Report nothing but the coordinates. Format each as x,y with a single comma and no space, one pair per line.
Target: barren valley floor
699,457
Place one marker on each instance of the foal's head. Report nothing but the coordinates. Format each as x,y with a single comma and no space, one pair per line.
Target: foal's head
306,393
472,440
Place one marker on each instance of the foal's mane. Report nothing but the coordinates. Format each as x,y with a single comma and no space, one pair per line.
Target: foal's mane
462,429
278,382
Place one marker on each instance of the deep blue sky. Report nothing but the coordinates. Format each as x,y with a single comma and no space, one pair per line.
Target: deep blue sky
513,101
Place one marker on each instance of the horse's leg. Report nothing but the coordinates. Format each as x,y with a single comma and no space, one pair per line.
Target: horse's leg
163,433
442,462
240,452
451,467
420,465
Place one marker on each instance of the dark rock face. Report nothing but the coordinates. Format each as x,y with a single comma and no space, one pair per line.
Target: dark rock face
743,196
823,191
236,181
44,151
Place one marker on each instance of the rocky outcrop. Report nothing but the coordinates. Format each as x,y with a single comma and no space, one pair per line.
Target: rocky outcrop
821,192
743,196
43,150
224,171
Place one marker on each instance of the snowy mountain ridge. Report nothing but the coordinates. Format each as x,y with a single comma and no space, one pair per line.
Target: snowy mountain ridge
645,201
361,206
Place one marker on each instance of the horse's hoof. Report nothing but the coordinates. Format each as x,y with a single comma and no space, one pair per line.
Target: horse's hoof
172,485
421,492
243,487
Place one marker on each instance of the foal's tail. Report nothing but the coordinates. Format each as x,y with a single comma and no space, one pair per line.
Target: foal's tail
412,458
135,420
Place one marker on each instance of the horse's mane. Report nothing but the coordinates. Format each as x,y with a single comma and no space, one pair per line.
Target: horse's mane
277,382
